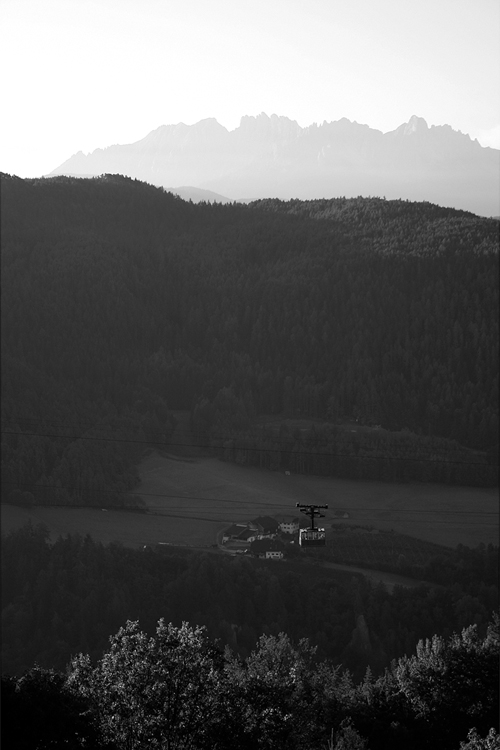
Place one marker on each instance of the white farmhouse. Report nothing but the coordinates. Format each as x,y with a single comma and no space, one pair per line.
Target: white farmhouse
288,524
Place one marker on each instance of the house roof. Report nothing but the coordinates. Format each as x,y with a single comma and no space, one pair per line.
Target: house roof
236,529
246,533
266,523
267,545
287,519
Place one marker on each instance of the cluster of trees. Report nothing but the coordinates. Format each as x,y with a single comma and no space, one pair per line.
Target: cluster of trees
121,303
178,689
397,553
62,598
325,449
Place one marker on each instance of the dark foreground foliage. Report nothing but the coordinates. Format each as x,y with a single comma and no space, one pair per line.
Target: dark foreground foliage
178,690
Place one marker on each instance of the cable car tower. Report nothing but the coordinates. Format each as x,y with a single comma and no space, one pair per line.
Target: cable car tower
312,537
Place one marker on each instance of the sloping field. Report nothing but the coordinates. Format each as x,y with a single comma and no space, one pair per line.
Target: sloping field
130,529
206,488
191,499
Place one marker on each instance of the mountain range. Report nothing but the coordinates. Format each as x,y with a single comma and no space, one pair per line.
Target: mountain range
273,157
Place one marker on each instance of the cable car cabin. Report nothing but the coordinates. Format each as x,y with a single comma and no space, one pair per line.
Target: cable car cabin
312,538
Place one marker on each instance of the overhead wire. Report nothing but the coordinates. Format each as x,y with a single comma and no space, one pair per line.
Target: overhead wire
363,430
93,424
245,447
245,504
263,504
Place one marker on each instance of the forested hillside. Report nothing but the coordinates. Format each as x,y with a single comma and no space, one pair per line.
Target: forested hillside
121,302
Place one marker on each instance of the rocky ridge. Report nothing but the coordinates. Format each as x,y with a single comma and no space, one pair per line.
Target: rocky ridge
275,157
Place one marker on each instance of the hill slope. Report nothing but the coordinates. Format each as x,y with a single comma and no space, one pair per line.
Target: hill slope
121,302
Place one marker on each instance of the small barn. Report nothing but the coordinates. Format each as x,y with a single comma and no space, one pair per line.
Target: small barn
268,548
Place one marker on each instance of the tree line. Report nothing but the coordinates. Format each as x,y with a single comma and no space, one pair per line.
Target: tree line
325,449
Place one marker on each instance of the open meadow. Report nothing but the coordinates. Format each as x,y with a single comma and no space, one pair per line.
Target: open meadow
191,499
206,490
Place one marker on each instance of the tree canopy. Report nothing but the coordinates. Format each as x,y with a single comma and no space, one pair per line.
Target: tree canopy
177,690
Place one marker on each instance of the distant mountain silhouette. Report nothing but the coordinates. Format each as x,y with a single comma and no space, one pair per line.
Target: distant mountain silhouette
275,157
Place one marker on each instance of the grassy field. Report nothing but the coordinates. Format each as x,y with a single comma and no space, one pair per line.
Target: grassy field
222,492
191,499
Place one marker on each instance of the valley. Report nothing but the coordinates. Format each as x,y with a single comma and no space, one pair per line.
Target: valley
250,376
171,368
190,500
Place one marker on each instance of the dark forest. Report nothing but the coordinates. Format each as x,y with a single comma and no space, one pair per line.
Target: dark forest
121,303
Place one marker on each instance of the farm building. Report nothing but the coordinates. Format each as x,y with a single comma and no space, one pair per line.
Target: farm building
268,548
288,524
234,531
266,525
248,535
261,527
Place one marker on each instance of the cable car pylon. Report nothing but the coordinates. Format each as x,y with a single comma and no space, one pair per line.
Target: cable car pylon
312,537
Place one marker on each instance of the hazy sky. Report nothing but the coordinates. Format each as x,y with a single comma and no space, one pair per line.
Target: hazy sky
82,74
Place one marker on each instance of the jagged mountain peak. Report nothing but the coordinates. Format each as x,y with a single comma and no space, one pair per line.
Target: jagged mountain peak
209,124
207,128
263,124
273,156
263,118
414,125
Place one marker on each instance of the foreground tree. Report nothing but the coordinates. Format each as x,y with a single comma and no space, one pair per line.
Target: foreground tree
277,694
475,742
39,711
347,738
451,685
178,691
159,692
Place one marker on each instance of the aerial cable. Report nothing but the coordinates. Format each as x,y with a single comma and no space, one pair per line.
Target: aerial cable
235,501
123,428
246,448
